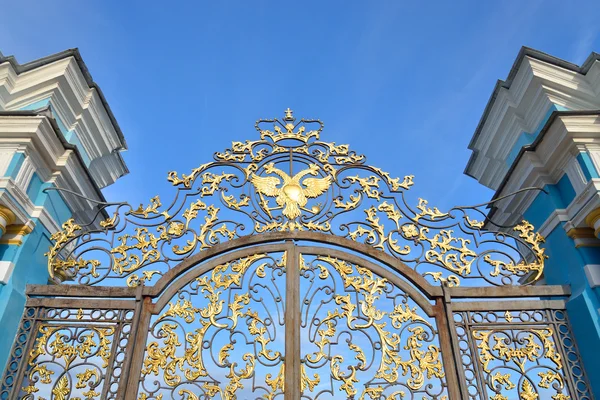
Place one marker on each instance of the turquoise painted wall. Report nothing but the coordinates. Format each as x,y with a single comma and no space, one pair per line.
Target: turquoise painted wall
565,265
526,138
559,196
70,135
587,166
29,263
30,268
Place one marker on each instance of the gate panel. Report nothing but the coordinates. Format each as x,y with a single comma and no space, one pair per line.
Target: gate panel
525,354
11,378
67,352
364,337
221,335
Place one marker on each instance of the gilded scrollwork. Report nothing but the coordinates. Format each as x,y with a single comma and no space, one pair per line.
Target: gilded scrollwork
367,334
218,335
288,180
518,355
69,361
522,349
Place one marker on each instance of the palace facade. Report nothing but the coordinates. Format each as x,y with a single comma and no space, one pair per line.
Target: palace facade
541,128
56,131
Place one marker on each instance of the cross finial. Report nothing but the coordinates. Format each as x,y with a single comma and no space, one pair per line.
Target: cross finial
288,115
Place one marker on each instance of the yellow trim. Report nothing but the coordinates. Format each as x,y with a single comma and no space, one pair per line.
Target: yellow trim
18,230
15,242
581,233
8,215
578,245
13,234
592,217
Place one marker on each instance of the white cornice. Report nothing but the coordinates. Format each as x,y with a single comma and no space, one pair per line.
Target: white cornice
553,157
520,108
552,222
36,137
78,106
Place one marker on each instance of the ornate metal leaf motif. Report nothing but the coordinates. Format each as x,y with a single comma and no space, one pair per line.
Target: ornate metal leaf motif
369,335
288,180
61,389
70,360
221,335
519,358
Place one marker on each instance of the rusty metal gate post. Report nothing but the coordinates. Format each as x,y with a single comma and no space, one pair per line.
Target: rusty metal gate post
449,346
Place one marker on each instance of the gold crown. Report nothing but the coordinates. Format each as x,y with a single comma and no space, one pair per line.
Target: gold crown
288,128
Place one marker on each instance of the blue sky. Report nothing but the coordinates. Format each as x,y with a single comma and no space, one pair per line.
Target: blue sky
403,83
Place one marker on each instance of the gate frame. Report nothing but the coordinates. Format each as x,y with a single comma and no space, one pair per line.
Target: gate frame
146,301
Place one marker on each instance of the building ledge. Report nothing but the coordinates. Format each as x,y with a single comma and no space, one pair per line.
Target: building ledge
20,68
45,114
524,53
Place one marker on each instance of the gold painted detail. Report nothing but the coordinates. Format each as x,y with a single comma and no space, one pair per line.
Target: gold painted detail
14,234
176,360
517,352
293,195
451,280
592,218
396,358
247,190
523,268
136,250
8,216
152,208
58,354
581,233
65,269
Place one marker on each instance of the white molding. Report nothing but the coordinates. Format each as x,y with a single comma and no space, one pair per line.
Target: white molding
46,156
6,269
536,86
6,155
592,273
77,105
553,157
575,174
552,222
25,174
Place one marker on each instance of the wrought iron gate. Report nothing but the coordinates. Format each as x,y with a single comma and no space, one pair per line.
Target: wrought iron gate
275,292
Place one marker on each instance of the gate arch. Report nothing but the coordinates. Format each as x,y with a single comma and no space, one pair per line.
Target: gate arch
363,278
431,291
276,238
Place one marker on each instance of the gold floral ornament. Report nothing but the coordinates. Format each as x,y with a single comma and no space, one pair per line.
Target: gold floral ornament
395,357
64,269
289,180
68,348
534,240
518,352
185,329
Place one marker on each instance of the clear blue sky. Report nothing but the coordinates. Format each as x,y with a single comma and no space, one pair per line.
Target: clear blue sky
403,83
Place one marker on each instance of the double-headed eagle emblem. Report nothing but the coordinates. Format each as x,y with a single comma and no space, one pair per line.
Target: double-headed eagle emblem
293,195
